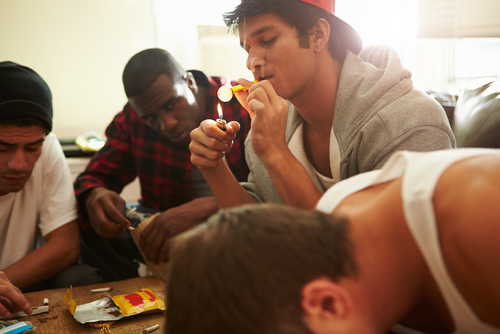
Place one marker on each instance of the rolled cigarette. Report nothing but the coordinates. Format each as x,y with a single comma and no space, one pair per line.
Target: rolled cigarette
36,310
152,328
225,93
46,301
101,290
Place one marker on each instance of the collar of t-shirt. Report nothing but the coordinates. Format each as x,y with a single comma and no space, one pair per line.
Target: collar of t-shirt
296,146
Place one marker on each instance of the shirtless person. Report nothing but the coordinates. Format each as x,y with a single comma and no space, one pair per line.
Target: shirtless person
411,248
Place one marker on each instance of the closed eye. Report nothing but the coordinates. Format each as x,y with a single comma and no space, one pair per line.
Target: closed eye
33,148
268,42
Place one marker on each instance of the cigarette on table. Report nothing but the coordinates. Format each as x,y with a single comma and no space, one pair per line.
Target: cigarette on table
36,310
225,93
45,301
151,329
101,290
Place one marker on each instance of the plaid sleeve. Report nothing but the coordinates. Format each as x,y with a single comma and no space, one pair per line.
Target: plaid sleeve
113,166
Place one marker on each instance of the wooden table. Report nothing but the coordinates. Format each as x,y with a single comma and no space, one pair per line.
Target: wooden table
59,319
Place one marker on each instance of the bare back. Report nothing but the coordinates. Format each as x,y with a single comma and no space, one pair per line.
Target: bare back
467,207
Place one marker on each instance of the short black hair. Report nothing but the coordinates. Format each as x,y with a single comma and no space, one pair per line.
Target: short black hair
243,271
303,16
146,66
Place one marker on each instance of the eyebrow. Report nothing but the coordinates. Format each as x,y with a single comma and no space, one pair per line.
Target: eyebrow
41,140
257,32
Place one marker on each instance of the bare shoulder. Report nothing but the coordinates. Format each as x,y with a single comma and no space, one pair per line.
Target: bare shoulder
469,193
467,208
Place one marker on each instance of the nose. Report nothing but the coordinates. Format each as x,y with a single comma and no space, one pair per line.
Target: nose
18,161
167,122
255,61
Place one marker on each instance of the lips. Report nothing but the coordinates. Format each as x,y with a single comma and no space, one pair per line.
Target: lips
15,179
264,78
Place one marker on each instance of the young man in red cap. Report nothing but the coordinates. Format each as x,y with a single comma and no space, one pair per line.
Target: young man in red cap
350,109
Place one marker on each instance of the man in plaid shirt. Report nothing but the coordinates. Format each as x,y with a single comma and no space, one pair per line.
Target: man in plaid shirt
150,139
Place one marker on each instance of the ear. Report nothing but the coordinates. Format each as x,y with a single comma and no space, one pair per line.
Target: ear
191,82
325,303
319,35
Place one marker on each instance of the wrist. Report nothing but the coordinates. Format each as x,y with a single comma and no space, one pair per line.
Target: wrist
89,195
276,157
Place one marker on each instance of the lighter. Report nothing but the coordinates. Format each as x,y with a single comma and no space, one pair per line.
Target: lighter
220,122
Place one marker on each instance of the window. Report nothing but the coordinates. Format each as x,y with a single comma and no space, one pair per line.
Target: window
445,43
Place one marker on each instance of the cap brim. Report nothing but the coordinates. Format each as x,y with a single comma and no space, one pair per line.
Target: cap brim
349,37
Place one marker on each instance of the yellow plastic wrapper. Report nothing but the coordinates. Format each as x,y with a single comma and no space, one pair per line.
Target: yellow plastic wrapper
114,308
142,301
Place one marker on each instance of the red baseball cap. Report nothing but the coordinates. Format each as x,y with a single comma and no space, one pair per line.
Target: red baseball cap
328,5
350,38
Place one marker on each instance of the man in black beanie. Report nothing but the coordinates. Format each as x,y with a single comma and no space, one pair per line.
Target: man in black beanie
40,240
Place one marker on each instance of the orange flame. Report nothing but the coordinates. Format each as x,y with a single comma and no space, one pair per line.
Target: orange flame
219,109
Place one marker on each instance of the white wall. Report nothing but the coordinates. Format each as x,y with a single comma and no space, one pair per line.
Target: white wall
80,48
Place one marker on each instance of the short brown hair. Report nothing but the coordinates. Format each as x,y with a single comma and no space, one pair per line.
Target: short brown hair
243,270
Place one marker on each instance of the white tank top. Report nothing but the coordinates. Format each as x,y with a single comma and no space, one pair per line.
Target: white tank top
421,172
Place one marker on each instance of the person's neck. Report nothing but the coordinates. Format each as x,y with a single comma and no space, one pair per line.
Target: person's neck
391,268
316,101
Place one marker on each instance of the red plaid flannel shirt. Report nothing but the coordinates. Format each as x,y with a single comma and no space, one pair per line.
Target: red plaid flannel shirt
163,167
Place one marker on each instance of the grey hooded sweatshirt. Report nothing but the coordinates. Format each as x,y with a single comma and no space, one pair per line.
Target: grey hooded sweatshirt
377,112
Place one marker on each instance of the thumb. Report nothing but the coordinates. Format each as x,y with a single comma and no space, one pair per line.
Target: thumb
233,128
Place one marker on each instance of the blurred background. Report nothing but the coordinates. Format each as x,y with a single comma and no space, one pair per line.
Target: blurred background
80,47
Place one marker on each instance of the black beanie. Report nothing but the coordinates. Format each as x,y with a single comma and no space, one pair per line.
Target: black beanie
24,94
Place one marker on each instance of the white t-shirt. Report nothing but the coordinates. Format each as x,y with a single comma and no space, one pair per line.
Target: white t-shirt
46,203
296,146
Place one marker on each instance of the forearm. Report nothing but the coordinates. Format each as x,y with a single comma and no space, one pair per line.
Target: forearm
205,207
227,190
44,262
291,180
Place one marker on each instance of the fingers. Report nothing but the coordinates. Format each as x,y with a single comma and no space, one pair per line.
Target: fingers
11,298
209,143
152,240
165,251
256,105
233,128
242,97
106,208
3,311
246,83
104,222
